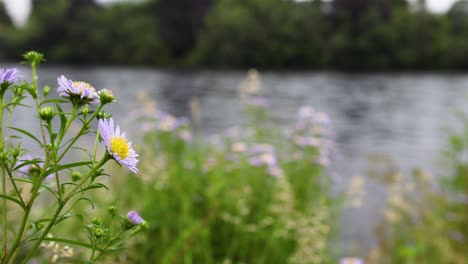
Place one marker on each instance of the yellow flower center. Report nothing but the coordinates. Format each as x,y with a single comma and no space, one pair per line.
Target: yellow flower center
119,146
83,85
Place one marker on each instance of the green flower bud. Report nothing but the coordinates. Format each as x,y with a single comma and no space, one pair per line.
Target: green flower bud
85,110
103,115
33,57
112,209
97,221
16,152
99,232
106,96
46,90
76,176
46,113
4,154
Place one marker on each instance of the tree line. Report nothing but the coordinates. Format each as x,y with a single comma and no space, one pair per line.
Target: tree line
341,34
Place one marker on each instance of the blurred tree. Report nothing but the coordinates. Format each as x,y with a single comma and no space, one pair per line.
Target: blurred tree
180,22
5,19
5,22
256,33
119,34
458,9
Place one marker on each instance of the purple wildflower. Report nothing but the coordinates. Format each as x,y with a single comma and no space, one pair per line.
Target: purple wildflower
257,102
9,75
135,218
311,131
84,91
351,260
118,145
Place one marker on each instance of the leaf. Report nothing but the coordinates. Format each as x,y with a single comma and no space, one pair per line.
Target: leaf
52,191
68,215
18,202
68,166
27,134
56,101
86,199
72,242
26,163
63,121
95,186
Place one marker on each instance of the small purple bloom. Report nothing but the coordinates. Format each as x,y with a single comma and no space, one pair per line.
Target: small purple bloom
257,101
135,218
351,260
118,145
9,75
68,88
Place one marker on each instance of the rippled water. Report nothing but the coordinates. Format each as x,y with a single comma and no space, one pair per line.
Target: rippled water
402,115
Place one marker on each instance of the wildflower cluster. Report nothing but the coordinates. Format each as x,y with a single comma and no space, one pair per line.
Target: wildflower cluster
164,123
25,179
236,196
311,133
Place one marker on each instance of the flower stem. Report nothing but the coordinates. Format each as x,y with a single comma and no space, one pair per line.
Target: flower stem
4,209
62,205
82,130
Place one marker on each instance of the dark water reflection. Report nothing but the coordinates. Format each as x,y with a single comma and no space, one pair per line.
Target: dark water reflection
402,115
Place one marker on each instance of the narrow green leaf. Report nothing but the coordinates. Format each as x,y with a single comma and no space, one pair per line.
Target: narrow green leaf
95,186
63,120
56,101
68,166
88,200
71,242
18,202
27,134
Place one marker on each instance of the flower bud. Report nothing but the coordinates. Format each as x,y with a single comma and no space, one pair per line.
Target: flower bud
76,176
85,110
103,115
33,57
97,221
112,209
46,90
46,113
106,96
133,219
4,154
16,152
99,232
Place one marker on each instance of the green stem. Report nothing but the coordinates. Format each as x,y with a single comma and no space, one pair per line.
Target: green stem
82,130
4,218
38,105
4,209
15,186
101,254
92,252
62,205
23,225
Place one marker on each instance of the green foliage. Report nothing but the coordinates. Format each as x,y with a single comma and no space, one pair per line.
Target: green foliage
206,203
270,33
369,35
36,195
425,221
119,34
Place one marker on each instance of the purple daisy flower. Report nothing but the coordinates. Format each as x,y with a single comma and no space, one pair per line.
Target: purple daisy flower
84,91
135,218
9,75
118,145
